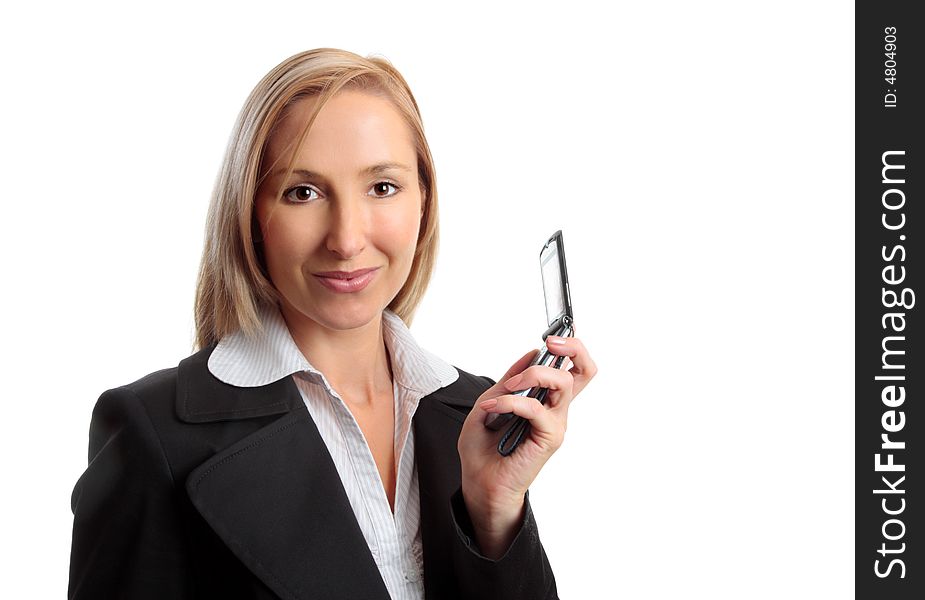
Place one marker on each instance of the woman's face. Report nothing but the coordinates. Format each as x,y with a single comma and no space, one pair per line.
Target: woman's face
339,239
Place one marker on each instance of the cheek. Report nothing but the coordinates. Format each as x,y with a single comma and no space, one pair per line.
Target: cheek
400,232
285,243
278,248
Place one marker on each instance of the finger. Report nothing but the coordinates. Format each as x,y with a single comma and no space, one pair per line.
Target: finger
545,423
522,406
560,383
583,368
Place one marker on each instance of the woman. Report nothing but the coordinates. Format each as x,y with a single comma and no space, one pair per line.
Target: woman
310,448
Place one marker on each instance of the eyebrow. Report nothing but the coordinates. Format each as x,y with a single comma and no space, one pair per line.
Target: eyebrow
370,170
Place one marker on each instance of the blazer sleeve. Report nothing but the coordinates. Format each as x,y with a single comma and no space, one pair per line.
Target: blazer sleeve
522,573
127,540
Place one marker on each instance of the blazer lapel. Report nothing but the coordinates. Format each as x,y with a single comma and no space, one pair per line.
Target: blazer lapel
437,424
274,496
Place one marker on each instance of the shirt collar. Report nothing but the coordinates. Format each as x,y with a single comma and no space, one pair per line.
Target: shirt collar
271,354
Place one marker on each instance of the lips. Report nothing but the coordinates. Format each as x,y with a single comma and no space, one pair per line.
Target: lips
346,281
345,274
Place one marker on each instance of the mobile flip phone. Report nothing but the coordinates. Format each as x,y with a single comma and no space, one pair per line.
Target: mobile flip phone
560,322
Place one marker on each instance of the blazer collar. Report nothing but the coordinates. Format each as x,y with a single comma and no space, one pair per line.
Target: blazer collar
203,398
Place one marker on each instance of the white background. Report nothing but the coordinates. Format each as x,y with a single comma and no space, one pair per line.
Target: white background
697,155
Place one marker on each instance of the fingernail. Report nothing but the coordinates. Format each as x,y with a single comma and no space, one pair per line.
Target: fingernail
512,383
558,341
488,404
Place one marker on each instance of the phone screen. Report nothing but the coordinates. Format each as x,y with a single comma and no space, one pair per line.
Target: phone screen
552,283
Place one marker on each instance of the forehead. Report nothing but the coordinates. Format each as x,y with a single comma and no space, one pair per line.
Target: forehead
352,129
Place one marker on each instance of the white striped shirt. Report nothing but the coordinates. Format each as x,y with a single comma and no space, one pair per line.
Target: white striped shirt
394,539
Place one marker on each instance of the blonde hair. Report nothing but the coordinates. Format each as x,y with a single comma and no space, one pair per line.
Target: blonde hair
233,280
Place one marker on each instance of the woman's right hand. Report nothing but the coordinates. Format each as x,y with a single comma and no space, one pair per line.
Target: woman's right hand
493,485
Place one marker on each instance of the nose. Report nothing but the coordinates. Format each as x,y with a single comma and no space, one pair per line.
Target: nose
347,229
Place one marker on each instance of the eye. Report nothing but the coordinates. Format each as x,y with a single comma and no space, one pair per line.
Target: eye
300,194
381,189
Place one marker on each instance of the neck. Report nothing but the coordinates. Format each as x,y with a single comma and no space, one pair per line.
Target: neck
354,361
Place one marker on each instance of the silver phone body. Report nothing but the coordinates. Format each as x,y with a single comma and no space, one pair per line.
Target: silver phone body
559,318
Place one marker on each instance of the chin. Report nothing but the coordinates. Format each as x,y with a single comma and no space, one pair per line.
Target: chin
346,315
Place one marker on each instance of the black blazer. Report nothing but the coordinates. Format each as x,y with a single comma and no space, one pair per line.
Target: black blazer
199,489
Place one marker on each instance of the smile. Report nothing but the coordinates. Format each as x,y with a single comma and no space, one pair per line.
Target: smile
346,282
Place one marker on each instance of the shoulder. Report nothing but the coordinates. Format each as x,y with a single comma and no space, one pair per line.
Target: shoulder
157,389
143,405
182,415
163,381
